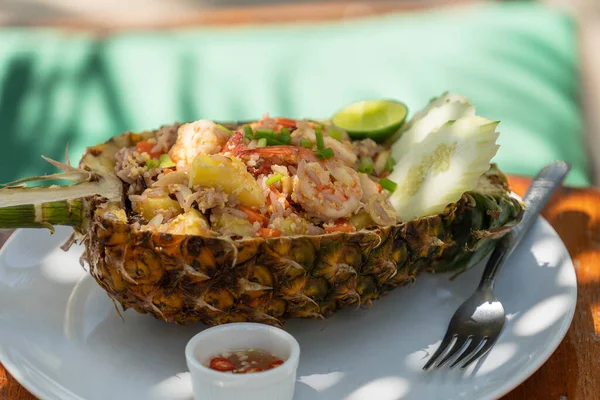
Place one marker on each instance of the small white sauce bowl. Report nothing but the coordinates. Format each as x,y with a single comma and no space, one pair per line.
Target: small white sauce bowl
274,384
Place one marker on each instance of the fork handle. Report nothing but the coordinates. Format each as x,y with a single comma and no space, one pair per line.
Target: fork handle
538,194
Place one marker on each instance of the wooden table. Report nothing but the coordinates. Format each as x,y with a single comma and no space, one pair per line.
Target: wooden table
573,371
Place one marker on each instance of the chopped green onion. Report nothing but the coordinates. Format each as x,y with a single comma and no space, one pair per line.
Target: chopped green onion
366,165
248,132
284,138
334,133
262,142
221,127
285,131
325,153
319,136
306,143
274,179
152,163
165,161
269,136
270,132
390,163
388,185
273,138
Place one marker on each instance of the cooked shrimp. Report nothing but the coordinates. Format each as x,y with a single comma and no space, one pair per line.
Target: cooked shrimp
381,210
199,137
260,159
369,187
343,150
329,192
266,122
376,203
285,154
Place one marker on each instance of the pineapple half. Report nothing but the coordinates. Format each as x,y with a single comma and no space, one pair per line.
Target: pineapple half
216,280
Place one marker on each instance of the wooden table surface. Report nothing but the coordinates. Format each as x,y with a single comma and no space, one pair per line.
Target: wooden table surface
573,371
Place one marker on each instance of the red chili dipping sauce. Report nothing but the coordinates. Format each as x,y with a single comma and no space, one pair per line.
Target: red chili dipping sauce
244,361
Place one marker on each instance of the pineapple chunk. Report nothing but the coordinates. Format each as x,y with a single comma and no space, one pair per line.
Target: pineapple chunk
191,222
361,220
153,206
231,225
291,225
230,174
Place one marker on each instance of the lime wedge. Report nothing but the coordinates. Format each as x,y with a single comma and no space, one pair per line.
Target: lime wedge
374,119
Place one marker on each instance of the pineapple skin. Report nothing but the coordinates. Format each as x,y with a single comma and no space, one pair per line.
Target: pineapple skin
215,280
186,279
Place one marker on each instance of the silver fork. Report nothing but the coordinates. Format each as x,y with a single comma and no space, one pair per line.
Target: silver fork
478,322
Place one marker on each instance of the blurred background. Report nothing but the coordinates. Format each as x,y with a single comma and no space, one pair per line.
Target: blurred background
79,72
153,13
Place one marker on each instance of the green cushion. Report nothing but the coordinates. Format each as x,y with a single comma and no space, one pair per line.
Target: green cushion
517,62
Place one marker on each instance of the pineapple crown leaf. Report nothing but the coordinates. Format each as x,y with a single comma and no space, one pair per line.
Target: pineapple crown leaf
67,159
76,177
72,174
64,167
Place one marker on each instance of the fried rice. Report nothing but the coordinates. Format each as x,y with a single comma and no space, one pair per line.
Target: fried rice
272,177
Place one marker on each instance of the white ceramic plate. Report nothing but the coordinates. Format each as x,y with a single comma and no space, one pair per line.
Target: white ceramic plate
62,339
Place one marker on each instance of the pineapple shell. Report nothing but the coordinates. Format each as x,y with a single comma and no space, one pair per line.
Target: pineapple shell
216,280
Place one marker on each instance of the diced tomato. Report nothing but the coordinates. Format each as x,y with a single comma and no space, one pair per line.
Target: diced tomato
235,144
269,232
221,364
379,187
340,226
253,215
288,123
275,364
146,147
168,171
384,174
250,370
264,168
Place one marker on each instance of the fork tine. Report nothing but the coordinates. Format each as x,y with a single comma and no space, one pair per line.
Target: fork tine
442,347
458,345
486,347
474,345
